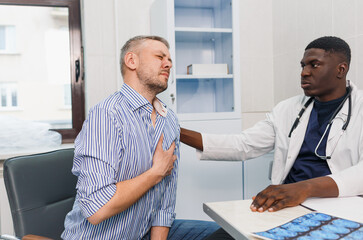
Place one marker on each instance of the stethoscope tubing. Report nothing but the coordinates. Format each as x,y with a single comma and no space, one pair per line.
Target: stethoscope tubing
330,122
348,96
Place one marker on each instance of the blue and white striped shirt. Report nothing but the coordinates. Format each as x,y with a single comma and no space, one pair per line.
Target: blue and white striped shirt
117,142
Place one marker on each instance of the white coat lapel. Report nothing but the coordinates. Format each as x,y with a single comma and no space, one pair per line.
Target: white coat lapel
336,128
296,140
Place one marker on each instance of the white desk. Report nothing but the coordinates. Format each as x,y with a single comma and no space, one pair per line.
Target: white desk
236,218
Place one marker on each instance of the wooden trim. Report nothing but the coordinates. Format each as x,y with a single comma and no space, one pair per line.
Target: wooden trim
45,3
68,135
35,237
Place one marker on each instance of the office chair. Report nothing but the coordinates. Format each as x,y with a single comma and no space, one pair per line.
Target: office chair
41,191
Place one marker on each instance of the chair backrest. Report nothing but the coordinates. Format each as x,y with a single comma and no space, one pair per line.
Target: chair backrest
41,191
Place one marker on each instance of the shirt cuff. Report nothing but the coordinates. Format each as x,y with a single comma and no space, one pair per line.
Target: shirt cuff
163,219
91,204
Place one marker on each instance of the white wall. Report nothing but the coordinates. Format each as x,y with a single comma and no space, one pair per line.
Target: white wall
296,23
107,25
274,34
100,53
256,53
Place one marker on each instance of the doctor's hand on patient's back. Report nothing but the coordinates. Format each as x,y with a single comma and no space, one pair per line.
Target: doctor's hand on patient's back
163,161
276,197
191,138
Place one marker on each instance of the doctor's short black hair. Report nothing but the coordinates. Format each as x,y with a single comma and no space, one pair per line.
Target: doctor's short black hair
333,45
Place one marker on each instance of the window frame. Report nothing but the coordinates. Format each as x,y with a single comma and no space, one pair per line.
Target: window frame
76,55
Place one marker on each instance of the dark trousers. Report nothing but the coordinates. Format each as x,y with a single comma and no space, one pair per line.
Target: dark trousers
189,230
220,234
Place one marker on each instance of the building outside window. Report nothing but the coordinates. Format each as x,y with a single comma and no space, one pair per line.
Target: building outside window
41,65
67,96
7,39
8,96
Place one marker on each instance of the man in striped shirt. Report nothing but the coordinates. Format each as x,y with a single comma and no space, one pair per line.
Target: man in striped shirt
126,157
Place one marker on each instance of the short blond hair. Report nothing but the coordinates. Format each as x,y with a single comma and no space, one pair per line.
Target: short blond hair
133,43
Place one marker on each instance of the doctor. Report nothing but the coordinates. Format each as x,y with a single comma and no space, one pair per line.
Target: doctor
317,137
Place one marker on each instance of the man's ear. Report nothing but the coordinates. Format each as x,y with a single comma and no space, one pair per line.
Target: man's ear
342,70
131,60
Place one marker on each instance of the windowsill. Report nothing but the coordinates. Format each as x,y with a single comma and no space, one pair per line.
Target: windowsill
11,109
9,53
5,156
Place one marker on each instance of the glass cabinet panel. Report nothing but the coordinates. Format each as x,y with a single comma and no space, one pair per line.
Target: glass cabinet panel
208,13
203,35
202,48
205,95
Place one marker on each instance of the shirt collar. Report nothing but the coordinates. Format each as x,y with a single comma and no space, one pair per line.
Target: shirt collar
160,107
137,101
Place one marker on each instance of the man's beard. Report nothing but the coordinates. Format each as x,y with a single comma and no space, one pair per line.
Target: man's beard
153,84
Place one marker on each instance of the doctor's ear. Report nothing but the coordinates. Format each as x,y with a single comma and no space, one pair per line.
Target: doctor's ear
342,70
131,60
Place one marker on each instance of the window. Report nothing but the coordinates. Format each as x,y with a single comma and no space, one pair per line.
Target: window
2,38
44,73
8,96
7,39
67,96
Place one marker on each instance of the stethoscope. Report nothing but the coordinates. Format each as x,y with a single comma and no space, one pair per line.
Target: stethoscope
297,120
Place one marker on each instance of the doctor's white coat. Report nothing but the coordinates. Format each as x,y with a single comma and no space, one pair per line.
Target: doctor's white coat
344,147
